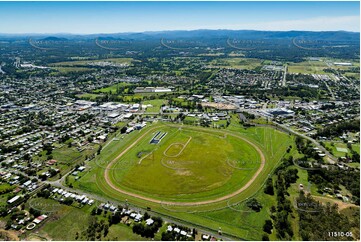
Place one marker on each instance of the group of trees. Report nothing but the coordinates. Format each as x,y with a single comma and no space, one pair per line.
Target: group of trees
268,189
148,231
312,225
174,236
317,225
138,228
268,226
96,229
45,193
189,105
307,149
339,129
85,117
334,178
48,148
285,176
254,204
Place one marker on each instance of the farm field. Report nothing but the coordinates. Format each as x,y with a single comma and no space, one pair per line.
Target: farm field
308,67
111,89
67,67
88,96
271,142
238,63
66,70
85,62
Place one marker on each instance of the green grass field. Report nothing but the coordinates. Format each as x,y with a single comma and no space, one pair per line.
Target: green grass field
66,157
186,165
89,96
339,148
156,105
4,195
66,70
236,62
307,67
273,144
112,89
65,222
85,62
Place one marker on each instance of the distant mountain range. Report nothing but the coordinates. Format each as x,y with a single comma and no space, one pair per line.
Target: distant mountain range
202,33
52,38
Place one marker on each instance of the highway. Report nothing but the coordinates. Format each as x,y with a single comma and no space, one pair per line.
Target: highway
331,92
284,76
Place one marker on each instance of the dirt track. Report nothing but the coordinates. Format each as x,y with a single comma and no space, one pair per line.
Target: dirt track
341,205
107,179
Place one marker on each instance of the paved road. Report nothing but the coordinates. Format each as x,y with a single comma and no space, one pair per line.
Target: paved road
60,181
201,228
331,158
166,218
331,92
284,76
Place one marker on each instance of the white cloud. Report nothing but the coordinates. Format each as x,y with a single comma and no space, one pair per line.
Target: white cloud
347,23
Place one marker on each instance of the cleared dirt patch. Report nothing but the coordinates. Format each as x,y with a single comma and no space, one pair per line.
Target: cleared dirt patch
8,235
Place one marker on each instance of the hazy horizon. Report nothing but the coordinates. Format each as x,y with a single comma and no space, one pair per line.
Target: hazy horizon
124,17
173,30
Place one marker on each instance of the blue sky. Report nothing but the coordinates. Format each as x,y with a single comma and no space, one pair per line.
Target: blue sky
113,17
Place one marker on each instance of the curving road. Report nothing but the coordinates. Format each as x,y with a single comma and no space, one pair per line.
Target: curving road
107,179
331,158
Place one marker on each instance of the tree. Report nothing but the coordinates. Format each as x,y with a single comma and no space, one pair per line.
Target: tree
166,236
146,216
106,230
268,226
100,149
254,204
27,157
138,228
290,176
93,212
44,193
268,189
68,201
265,237
123,130
158,221
115,218
34,212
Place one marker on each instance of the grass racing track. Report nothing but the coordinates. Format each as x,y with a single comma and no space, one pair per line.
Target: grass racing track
110,182
241,225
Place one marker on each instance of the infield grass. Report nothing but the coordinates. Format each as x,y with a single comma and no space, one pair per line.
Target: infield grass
273,144
186,165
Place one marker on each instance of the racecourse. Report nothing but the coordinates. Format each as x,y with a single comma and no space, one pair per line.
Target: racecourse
117,188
